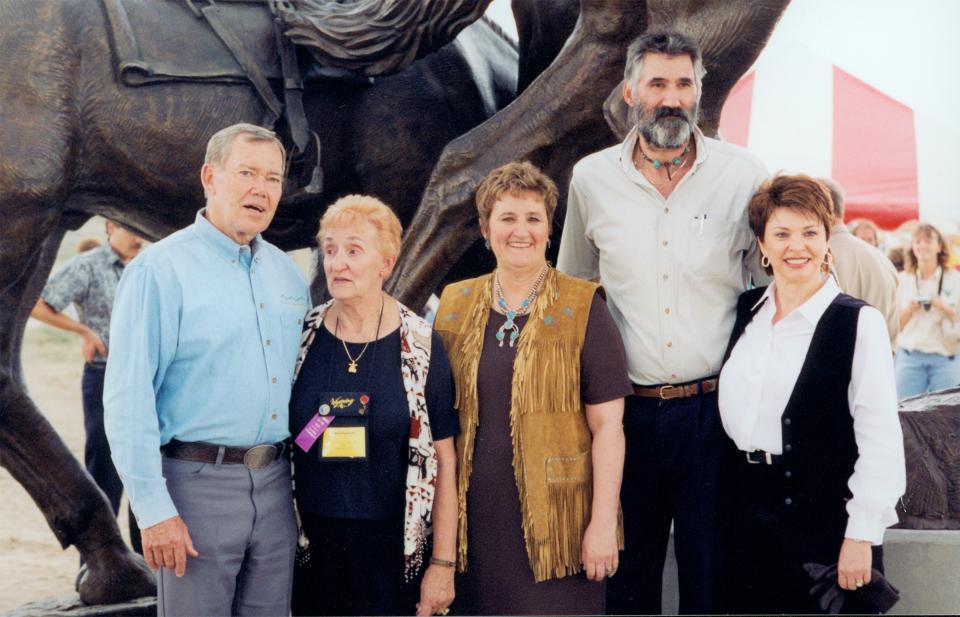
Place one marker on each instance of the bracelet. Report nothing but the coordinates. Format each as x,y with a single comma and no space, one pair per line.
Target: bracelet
435,561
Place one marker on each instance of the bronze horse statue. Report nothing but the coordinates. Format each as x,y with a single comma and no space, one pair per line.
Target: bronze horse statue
78,143
406,101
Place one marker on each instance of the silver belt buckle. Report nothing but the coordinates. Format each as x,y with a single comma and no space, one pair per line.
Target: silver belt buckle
767,457
259,457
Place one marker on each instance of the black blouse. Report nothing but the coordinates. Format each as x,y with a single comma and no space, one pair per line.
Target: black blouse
373,488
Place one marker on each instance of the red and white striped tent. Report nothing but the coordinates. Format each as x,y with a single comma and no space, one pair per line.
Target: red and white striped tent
799,112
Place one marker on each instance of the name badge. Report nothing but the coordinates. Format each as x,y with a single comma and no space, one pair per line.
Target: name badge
347,438
344,442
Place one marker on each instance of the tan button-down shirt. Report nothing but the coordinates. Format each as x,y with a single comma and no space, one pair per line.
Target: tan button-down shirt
866,273
928,330
672,267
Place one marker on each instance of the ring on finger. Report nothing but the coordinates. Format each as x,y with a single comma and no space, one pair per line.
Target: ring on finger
443,611
859,582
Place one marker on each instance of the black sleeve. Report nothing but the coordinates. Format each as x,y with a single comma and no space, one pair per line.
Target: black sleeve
603,362
444,421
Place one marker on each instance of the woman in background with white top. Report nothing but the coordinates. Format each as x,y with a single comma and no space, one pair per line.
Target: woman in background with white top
807,398
928,295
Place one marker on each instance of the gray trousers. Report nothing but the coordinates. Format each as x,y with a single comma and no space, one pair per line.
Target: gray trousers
241,522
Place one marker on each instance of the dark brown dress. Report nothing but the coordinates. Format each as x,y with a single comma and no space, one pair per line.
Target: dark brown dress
499,580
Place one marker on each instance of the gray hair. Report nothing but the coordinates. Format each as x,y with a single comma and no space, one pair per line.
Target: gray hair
218,148
836,196
667,43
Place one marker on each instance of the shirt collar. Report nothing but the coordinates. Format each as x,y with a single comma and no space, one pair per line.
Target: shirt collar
219,241
811,310
936,275
109,255
626,150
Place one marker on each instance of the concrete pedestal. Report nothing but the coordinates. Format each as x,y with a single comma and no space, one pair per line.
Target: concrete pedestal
923,565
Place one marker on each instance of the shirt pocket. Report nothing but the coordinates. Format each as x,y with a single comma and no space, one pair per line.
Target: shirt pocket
709,247
291,327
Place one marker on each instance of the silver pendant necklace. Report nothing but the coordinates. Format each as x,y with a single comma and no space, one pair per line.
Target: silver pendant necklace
510,325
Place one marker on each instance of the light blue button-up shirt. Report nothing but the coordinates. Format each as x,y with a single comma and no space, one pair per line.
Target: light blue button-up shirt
204,338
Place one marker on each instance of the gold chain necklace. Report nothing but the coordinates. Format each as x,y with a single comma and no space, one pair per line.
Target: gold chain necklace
352,364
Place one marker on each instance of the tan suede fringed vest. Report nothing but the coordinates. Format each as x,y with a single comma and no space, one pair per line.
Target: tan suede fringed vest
551,439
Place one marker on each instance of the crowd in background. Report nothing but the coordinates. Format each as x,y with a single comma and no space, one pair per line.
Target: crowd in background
928,284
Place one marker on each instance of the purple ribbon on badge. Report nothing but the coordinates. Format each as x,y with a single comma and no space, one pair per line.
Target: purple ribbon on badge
312,431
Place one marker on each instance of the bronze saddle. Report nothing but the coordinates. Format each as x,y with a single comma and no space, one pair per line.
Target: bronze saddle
227,41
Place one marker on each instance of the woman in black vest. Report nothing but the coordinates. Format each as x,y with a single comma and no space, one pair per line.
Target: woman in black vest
808,398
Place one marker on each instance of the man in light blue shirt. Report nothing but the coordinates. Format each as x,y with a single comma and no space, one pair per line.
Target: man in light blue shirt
204,337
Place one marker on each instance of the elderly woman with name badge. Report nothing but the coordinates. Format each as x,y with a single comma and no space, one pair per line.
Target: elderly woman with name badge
541,375
373,420
807,397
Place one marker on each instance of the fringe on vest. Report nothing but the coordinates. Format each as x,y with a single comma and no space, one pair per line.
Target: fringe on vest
556,553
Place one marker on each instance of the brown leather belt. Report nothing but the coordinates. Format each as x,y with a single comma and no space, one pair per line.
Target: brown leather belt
255,457
669,391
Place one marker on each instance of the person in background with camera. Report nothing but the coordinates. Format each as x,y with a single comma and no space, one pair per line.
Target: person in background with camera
929,329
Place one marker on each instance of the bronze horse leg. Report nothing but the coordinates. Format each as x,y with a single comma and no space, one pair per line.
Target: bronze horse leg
30,449
38,110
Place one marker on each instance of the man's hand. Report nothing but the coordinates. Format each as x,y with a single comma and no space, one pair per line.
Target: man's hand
853,565
600,554
167,544
91,345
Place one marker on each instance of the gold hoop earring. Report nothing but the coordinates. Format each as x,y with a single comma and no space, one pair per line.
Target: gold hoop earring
764,261
827,261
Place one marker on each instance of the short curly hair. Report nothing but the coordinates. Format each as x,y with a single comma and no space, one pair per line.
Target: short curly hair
355,210
514,178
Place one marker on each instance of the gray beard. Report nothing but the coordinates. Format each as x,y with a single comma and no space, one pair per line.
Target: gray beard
667,133
664,133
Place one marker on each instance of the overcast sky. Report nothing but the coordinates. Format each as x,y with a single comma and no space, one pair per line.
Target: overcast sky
909,50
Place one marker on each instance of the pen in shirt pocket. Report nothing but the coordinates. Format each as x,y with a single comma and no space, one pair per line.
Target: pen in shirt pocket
700,220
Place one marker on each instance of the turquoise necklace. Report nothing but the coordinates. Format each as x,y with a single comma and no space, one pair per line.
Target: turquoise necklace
677,161
510,325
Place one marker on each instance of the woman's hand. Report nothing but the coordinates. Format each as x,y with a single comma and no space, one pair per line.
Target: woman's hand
907,312
938,303
599,548
436,590
599,553
854,563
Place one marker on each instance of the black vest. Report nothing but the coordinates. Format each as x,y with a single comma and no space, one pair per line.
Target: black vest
819,447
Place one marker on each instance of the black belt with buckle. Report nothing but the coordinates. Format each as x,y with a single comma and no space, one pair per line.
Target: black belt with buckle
254,457
762,457
670,391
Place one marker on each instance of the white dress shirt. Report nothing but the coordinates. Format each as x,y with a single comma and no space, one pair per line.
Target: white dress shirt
758,380
672,268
